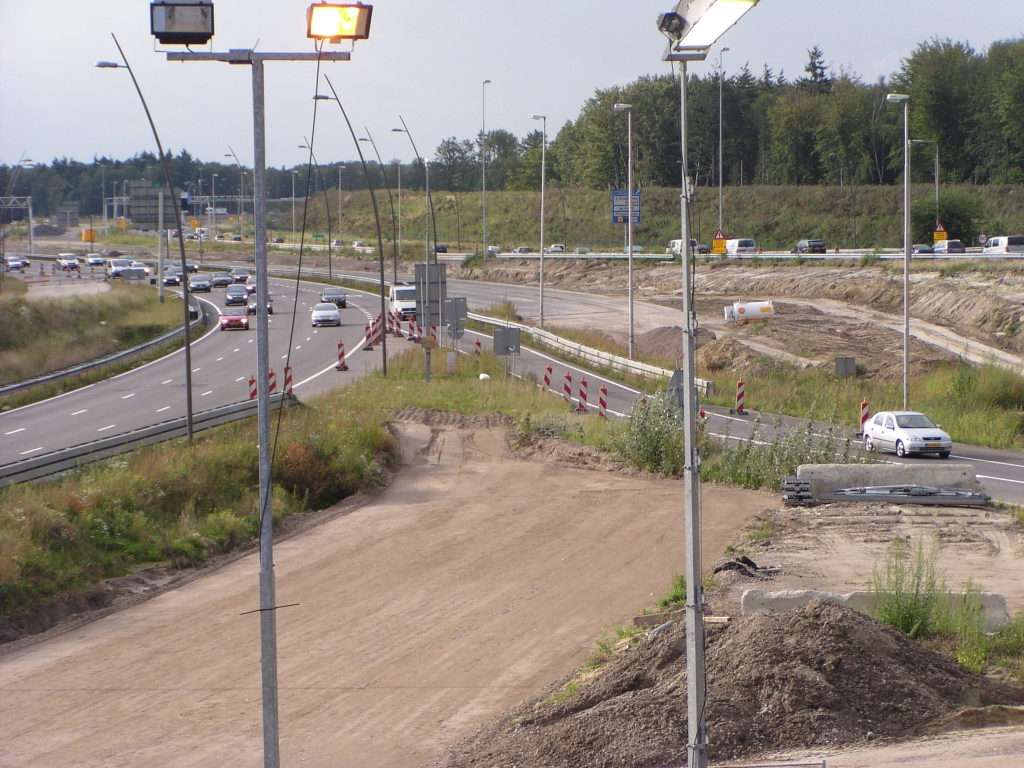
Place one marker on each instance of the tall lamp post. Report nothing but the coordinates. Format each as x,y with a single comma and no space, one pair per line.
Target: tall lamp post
628,109
324,23
391,200
692,28
426,180
327,202
721,77
241,188
902,98
543,184
936,145
483,157
294,174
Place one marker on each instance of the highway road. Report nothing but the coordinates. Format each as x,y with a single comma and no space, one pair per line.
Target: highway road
222,363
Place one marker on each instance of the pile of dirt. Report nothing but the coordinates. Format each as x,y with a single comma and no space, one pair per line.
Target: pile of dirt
667,342
730,355
821,675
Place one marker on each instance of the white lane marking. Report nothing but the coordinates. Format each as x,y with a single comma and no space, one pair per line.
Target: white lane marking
196,370
299,346
15,431
165,408
237,348
990,461
77,413
218,359
307,338
1000,479
127,396
104,429
251,340
26,453
206,393
240,378
167,382
284,357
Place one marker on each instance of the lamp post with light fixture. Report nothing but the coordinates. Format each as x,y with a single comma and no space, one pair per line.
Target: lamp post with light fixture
483,158
721,163
543,180
241,189
327,203
628,109
692,27
391,200
192,24
904,99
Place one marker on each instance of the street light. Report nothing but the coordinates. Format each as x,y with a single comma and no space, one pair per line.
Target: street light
543,183
721,77
213,205
628,109
391,200
241,188
483,158
431,219
925,141
294,174
897,98
327,203
692,27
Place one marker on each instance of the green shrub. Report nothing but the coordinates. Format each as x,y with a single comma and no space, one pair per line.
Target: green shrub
654,439
907,590
678,594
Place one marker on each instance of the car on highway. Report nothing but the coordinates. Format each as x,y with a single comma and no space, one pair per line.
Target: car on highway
440,247
171,276
15,262
220,237
221,279
140,265
234,317
336,243
250,305
240,274
949,246
1004,244
581,251
493,250
191,266
94,259
556,248
115,267
277,240
325,313
521,249
235,294
358,244
905,433
250,284
66,261
743,245
199,284
335,296
812,245
921,248
636,249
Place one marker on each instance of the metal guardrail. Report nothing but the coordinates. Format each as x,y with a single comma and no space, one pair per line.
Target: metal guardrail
591,355
78,370
86,453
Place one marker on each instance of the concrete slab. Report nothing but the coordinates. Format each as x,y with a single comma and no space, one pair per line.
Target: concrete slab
827,478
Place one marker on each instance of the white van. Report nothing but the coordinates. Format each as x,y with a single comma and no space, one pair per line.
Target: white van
116,266
739,246
402,301
1005,244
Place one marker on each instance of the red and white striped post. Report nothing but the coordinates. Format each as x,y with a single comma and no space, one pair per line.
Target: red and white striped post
582,407
739,397
273,381
419,331
411,335
567,388
368,335
378,329
602,402
252,388
547,377
287,379
478,348
342,365
865,414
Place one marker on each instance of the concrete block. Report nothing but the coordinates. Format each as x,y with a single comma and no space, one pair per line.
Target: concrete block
827,478
760,601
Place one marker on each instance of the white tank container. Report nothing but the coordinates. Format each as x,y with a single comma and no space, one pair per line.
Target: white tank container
743,312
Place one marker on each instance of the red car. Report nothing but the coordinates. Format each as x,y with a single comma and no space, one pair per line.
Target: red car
234,317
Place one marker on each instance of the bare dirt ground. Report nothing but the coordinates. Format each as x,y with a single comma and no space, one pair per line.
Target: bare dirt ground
475,579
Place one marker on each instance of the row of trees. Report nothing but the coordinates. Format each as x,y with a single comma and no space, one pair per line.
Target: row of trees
824,127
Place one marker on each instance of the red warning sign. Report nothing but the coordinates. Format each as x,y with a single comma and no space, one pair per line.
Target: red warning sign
718,244
940,232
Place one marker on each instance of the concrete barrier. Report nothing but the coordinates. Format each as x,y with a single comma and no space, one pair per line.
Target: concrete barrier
827,478
759,601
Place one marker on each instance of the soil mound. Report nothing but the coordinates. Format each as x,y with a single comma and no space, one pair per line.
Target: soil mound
730,355
820,675
667,341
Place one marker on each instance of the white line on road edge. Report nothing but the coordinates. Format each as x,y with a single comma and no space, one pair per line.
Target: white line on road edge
26,453
991,461
16,431
999,479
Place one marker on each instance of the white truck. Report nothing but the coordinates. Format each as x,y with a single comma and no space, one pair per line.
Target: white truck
402,301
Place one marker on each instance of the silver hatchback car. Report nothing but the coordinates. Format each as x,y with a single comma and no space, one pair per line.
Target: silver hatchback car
906,432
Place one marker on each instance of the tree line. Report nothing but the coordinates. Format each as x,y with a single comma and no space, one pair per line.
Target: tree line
824,127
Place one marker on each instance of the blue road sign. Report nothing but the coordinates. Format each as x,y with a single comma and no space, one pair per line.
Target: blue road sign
620,206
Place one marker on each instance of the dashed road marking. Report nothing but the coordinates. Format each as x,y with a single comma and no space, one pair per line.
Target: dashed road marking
206,393
104,429
167,382
15,431
127,396
76,413
165,408
26,453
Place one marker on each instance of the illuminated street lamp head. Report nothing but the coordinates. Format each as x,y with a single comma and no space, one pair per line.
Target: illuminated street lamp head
695,25
334,23
181,22
896,98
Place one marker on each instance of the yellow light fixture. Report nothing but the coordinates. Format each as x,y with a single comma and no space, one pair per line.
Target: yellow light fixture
325,21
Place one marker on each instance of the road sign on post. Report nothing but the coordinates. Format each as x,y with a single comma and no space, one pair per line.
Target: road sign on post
940,232
620,206
718,244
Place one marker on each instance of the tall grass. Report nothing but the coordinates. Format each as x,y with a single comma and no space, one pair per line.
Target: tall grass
37,337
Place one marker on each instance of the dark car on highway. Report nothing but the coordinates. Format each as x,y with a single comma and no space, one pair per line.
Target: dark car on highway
809,246
199,283
235,294
250,305
949,246
440,248
220,279
239,274
334,296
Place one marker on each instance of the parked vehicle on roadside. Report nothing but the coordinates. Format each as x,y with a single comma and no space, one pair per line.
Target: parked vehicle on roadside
906,432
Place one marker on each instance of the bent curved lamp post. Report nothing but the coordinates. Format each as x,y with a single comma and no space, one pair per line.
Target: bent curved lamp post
350,24
692,27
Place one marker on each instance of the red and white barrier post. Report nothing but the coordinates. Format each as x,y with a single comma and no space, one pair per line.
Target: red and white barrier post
411,335
368,335
252,388
582,407
287,379
739,398
273,381
478,348
567,388
547,377
342,365
865,414
602,402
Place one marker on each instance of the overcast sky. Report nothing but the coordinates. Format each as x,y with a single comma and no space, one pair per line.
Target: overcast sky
425,60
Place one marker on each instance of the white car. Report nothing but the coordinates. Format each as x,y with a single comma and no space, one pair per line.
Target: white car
906,432
94,259
140,265
67,261
556,248
325,314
